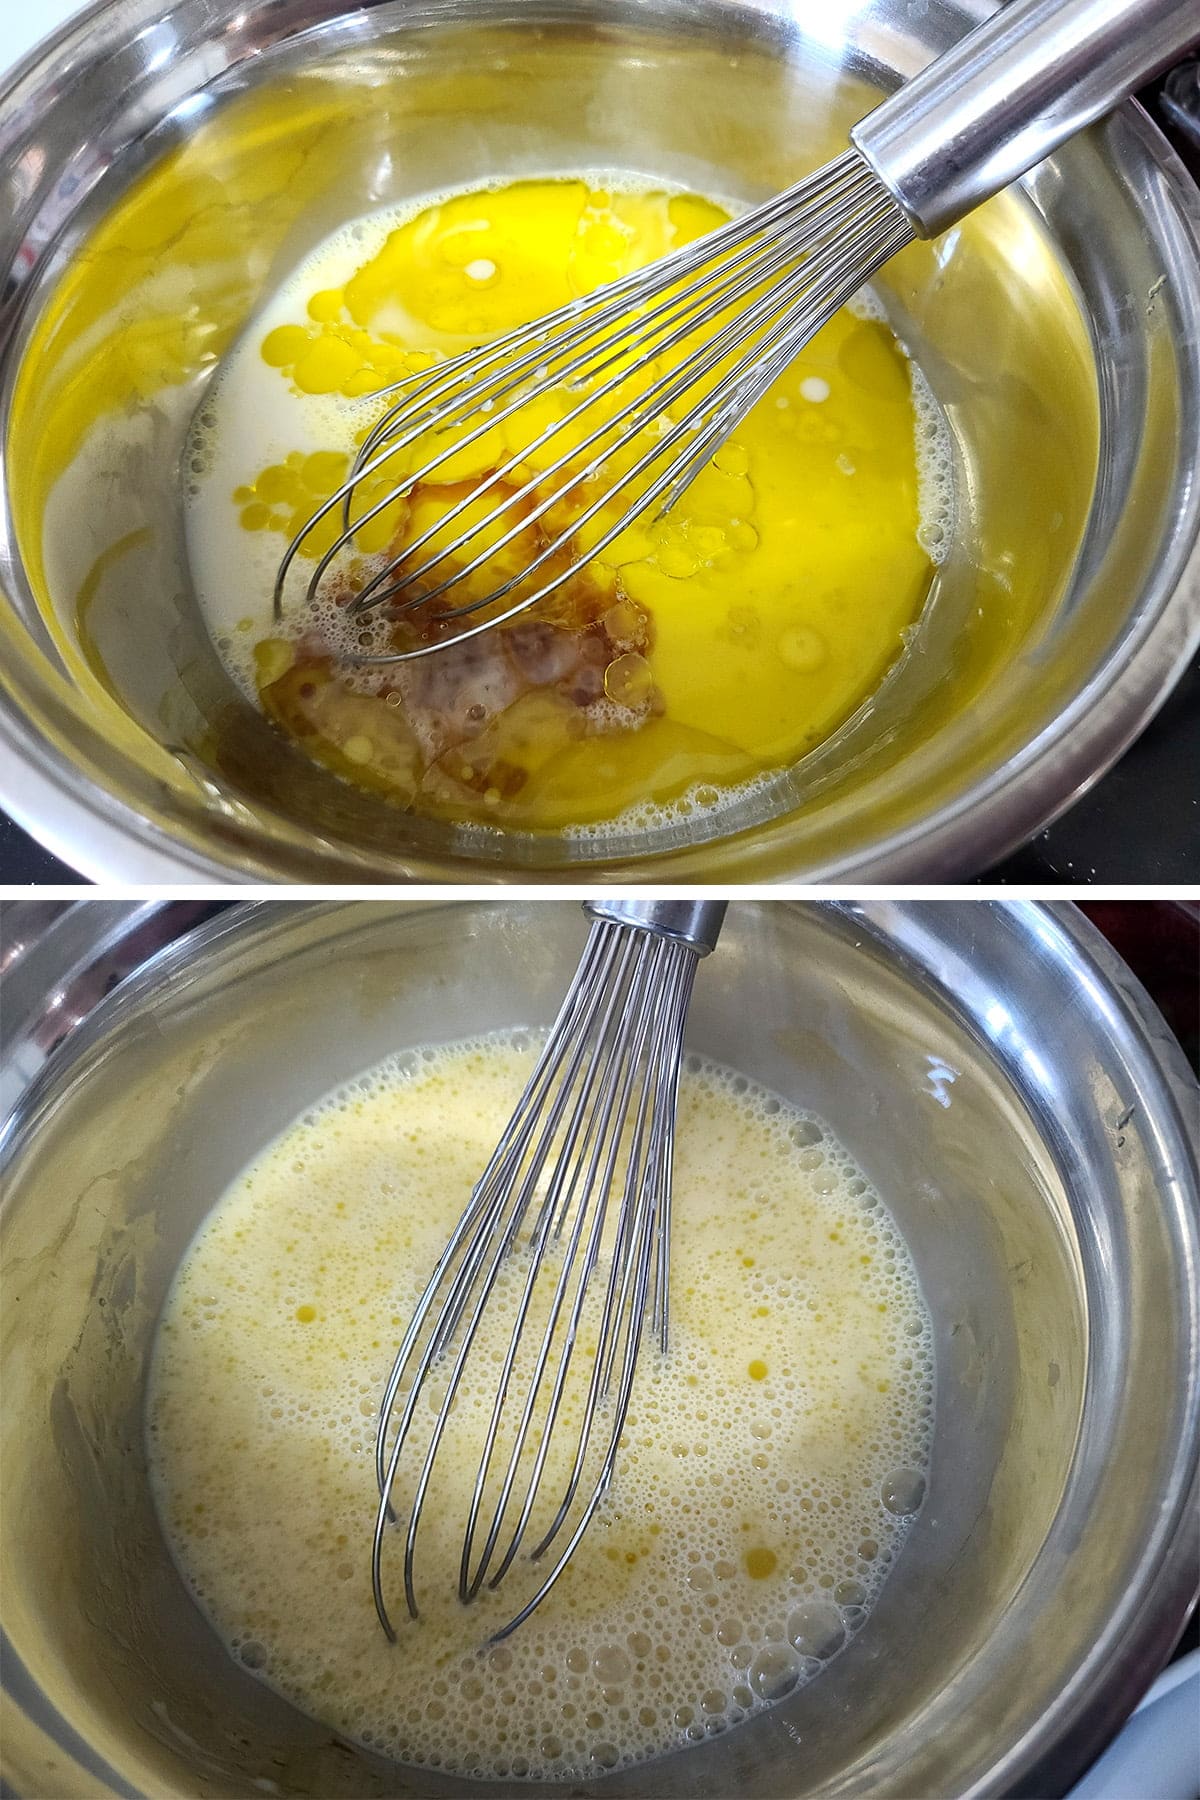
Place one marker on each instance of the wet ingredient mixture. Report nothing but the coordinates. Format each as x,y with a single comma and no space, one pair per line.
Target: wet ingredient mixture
768,1474
693,657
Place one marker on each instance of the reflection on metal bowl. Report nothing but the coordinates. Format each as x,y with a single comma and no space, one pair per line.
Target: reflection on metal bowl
1058,327
995,1069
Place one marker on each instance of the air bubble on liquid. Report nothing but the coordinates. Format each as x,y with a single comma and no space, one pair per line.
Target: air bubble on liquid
652,816
805,1133
936,496
815,1629
866,304
775,1672
903,1491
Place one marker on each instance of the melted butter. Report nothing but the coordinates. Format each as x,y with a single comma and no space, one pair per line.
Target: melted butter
767,1475
694,653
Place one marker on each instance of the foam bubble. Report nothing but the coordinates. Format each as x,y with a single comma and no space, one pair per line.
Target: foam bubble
701,800
937,504
936,494
867,305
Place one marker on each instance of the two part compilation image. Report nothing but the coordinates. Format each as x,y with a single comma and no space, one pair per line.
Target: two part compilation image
600,900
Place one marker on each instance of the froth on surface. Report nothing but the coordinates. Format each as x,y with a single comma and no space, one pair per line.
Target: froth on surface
767,1477
935,470
703,800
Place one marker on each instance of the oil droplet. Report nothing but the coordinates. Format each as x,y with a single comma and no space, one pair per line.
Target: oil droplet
325,304
628,680
324,471
732,458
284,345
757,1370
760,1562
623,620
709,540
306,1314
677,561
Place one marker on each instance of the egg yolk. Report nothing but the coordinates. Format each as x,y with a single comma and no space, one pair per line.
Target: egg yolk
693,653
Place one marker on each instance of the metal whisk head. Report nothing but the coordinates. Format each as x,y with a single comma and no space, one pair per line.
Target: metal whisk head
573,1213
644,381
654,371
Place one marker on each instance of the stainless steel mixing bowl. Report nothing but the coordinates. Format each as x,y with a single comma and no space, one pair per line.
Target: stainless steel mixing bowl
995,1069
1060,329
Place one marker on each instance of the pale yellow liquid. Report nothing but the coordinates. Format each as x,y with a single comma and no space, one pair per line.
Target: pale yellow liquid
767,1475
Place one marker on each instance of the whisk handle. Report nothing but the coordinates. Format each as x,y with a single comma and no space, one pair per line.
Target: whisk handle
694,922
1010,92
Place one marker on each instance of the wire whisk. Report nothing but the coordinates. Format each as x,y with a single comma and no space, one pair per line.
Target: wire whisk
576,1202
645,378
705,331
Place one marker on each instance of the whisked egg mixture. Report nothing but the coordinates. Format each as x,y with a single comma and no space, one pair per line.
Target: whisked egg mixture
694,657
767,1476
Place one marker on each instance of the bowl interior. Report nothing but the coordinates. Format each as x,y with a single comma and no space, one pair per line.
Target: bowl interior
215,175
192,1067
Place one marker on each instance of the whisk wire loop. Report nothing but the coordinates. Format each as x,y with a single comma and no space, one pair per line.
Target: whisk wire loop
617,1082
646,1192
581,1174
631,1266
714,292
478,1215
501,1191
651,402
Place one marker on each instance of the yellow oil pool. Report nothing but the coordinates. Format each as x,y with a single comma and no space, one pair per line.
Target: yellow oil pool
694,656
767,1477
